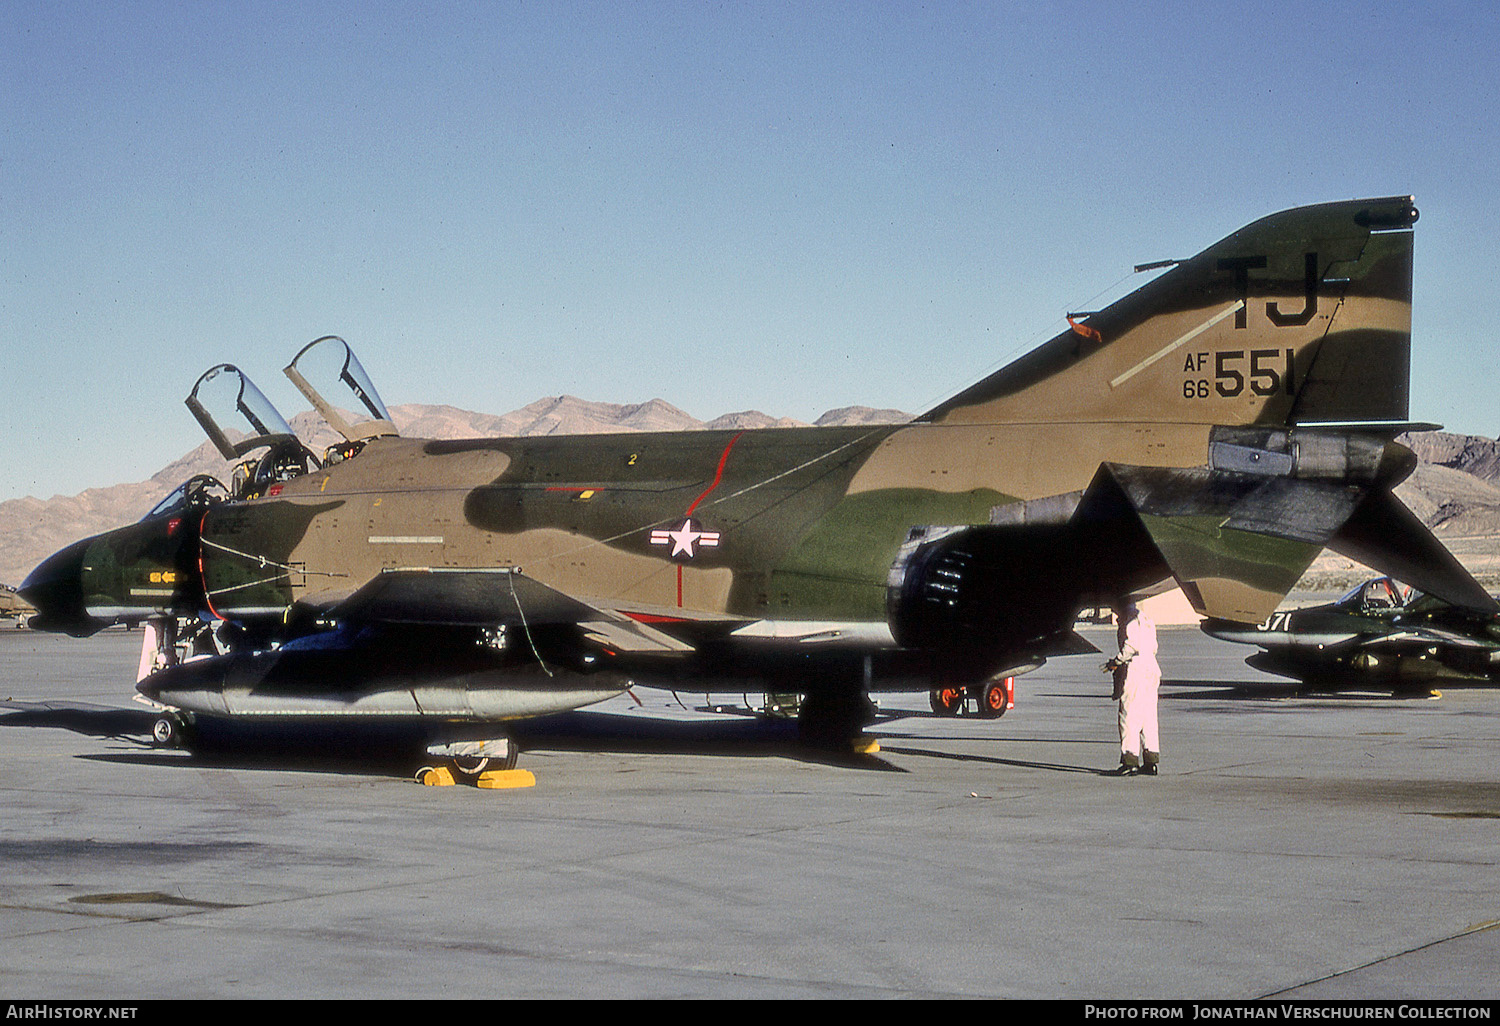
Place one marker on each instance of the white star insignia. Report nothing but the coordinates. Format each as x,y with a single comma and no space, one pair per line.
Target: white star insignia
684,537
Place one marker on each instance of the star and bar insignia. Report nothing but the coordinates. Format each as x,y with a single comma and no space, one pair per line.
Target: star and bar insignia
684,537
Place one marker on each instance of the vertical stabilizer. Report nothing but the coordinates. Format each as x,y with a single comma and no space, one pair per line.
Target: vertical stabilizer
1301,317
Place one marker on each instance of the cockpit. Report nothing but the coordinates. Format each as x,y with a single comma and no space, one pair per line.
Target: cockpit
1377,595
252,434
196,493
241,421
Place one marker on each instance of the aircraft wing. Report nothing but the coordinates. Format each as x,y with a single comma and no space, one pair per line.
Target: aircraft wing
555,622
490,597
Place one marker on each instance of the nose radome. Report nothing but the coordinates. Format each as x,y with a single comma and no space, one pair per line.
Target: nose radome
55,588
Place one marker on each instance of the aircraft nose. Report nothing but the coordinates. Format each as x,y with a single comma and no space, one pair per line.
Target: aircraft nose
55,588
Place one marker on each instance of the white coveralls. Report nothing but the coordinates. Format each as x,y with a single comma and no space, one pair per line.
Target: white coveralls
1139,743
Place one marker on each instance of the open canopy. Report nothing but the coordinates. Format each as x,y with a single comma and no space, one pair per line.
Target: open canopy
236,416
329,374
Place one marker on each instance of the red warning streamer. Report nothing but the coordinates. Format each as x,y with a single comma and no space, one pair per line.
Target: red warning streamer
1085,330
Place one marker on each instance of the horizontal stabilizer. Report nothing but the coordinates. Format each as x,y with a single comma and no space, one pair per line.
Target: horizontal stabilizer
1383,534
1235,543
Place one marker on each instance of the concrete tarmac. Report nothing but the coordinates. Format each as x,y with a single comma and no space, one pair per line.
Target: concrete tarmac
1294,847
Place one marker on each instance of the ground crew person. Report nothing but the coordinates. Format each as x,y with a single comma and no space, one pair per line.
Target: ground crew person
1137,678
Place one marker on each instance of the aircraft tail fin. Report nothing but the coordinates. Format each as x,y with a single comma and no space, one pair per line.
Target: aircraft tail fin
1288,343
1301,317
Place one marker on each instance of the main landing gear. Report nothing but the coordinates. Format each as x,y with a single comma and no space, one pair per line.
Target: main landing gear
835,719
992,699
489,763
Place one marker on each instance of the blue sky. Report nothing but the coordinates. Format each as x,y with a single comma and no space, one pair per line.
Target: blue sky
785,207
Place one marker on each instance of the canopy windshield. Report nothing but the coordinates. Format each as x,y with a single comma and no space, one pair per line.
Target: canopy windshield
198,492
234,413
329,374
1379,593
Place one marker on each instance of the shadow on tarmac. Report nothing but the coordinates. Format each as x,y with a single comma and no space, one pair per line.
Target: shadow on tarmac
384,749
93,721
991,760
1276,691
733,735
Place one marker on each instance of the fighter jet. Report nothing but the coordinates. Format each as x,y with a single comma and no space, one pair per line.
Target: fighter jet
1214,429
13,607
1379,635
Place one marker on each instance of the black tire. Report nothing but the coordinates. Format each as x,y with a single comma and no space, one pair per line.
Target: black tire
166,732
993,699
947,701
833,720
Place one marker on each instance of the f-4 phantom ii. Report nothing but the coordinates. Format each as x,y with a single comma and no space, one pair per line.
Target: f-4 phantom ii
12,606
1216,429
1379,635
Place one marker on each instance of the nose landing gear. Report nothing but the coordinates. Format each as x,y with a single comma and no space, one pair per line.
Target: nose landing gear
170,731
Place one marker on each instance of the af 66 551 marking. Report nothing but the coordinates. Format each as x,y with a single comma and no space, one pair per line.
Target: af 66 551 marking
1265,372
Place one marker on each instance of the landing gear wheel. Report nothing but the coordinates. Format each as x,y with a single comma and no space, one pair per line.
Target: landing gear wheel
472,759
993,698
470,765
946,701
166,732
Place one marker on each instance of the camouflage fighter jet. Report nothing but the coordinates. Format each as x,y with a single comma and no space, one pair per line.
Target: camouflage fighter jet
13,607
1216,429
1379,635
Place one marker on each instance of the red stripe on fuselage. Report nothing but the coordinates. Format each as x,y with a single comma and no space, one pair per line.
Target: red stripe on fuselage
718,474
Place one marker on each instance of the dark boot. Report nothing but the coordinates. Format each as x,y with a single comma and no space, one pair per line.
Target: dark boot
1128,767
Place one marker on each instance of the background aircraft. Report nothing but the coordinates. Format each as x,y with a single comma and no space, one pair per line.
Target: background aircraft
1379,635
13,606
1214,429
